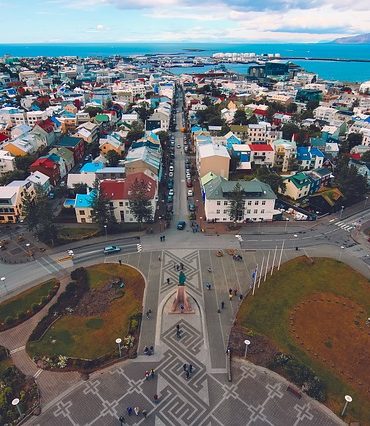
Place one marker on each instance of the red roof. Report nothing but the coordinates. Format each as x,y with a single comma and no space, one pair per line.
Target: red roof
260,147
152,184
47,125
44,162
356,156
3,137
260,112
113,189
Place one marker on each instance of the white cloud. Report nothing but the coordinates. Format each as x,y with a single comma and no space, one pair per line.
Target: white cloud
100,28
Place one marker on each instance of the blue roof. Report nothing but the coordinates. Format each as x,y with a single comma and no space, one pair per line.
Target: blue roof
84,200
91,167
196,128
303,153
55,121
69,141
234,140
316,152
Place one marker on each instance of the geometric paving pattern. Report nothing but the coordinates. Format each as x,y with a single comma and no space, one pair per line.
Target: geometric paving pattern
254,397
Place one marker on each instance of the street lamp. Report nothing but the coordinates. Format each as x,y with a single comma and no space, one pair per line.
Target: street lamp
2,279
119,341
247,343
286,223
341,212
347,400
341,253
365,202
15,403
28,250
106,232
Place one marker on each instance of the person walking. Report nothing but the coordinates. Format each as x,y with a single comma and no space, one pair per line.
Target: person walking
190,368
235,292
230,297
148,314
187,374
222,305
152,373
159,258
156,398
168,280
137,410
120,261
185,367
129,411
146,375
144,413
151,350
230,291
122,420
240,297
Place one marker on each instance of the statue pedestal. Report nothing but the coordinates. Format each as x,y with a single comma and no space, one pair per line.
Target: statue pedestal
181,304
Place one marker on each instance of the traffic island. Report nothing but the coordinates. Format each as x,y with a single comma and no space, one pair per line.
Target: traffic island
101,305
309,323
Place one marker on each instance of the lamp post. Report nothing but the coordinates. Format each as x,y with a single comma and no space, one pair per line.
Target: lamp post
341,253
106,232
2,279
15,403
247,343
286,223
365,203
341,212
119,341
347,400
28,249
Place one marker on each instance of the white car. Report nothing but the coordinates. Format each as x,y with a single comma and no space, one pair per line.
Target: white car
171,192
190,192
170,174
171,169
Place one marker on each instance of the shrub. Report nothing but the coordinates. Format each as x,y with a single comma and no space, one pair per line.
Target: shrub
21,316
71,287
4,353
44,300
9,320
35,307
79,275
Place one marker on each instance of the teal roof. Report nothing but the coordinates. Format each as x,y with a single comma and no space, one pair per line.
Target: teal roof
69,141
91,167
84,201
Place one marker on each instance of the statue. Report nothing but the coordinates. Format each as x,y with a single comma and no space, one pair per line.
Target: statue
181,303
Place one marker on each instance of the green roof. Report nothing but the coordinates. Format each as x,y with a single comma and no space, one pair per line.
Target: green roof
300,180
102,118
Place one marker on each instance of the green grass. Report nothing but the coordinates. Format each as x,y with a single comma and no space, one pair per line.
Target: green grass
91,337
77,233
23,301
267,313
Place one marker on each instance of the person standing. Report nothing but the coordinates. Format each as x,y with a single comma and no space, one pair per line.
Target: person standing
230,297
137,410
190,368
187,374
152,373
122,420
222,305
129,411
146,374
156,398
185,367
144,413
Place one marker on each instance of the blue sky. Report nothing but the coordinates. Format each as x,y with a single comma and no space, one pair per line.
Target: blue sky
47,21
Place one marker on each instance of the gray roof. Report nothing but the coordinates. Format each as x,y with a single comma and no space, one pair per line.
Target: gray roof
220,188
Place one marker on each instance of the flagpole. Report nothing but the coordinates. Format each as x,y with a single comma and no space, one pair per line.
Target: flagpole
259,280
273,260
255,279
267,265
281,255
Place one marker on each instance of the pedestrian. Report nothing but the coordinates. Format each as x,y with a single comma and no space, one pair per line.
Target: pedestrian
209,269
178,327
120,261
174,265
146,350
152,373
185,367
177,267
235,292
187,374
190,368
122,420
129,411
164,238
178,332
148,314
168,280
156,398
240,297
146,375
182,308
230,291
137,410
159,258
151,350
222,305
181,266
230,297
144,413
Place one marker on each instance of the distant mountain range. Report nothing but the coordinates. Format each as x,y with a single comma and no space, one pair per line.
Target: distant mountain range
358,39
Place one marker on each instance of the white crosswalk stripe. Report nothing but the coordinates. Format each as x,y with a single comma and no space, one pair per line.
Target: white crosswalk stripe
343,225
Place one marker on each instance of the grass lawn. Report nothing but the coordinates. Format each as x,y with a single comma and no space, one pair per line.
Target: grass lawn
76,233
23,302
89,337
268,312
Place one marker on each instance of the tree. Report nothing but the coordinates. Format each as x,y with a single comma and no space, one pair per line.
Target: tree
24,162
38,215
289,129
240,117
291,108
140,205
102,211
352,185
135,133
113,158
144,112
14,175
164,138
311,105
236,209
354,139
252,119
270,177
366,157
93,111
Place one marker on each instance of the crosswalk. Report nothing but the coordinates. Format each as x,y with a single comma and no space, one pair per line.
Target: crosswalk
345,226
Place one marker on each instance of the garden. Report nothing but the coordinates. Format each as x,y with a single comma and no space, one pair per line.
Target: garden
309,322
102,302
14,384
23,306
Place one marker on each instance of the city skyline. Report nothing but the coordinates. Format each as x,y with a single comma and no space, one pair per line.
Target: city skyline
99,21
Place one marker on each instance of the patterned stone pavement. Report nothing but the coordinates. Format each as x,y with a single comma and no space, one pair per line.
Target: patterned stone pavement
254,397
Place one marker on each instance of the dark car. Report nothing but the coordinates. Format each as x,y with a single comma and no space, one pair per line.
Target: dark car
170,184
189,183
191,207
181,225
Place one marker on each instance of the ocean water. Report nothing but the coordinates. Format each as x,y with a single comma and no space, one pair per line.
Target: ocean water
330,70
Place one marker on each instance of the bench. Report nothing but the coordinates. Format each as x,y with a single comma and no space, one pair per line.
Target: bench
294,391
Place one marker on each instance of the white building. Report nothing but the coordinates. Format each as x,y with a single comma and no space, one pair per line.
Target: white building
259,204
325,113
7,162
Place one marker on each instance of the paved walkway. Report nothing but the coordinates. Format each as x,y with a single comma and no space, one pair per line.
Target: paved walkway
254,397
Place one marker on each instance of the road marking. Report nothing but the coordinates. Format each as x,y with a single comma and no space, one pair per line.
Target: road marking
38,372
21,348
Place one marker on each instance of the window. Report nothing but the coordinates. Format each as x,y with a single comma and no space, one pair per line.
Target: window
249,203
225,211
256,203
226,203
127,203
218,211
262,211
263,203
218,203
121,203
248,212
255,211
111,204
82,212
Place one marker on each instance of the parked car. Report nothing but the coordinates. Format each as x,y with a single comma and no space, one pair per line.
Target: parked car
111,249
170,199
169,207
190,192
178,146
171,168
189,183
191,207
170,174
181,225
170,184
171,192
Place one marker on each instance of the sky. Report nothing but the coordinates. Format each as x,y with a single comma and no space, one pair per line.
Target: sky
100,21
